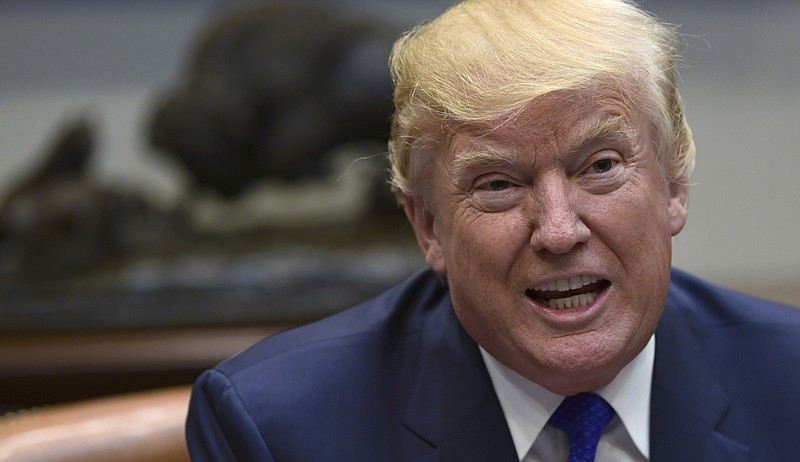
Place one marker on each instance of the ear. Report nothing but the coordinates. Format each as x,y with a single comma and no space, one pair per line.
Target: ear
422,219
678,206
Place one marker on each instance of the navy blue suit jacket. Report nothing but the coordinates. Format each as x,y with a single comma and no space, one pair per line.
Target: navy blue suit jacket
398,379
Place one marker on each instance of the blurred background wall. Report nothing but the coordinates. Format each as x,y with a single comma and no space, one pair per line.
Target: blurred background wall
110,59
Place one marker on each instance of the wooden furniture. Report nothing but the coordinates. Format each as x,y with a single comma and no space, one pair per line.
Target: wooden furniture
39,369
138,427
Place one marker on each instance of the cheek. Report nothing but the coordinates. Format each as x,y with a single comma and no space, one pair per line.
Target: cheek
487,242
636,218
481,256
640,237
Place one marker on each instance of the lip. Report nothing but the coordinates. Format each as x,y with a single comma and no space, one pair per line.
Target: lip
572,318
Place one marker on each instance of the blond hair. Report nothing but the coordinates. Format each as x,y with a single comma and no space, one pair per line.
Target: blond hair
484,60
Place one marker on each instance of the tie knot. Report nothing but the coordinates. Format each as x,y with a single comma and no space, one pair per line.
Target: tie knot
582,417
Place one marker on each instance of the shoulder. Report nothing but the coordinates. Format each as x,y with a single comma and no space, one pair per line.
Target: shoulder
755,340
716,345
710,305
347,357
398,312
347,372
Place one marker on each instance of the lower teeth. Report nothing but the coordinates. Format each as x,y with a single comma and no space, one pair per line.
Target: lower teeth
572,302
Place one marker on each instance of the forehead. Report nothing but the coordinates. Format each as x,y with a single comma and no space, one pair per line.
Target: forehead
567,119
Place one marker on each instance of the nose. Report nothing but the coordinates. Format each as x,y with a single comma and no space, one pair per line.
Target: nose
557,226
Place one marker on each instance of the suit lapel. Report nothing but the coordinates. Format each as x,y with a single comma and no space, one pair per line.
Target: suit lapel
688,401
453,406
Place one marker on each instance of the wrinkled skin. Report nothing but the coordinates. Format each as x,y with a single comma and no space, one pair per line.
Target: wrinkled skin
570,187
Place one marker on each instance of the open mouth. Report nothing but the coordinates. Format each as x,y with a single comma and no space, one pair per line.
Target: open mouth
568,293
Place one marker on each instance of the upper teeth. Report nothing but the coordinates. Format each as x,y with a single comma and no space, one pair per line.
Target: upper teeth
563,285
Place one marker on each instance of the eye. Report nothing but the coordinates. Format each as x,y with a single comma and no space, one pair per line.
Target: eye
605,173
605,163
602,166
497,193
498,185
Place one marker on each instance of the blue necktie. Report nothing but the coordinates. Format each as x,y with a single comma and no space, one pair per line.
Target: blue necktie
582,417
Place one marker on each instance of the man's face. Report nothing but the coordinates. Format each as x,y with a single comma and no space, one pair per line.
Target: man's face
554,233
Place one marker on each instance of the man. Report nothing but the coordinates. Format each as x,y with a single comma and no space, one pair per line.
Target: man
541,154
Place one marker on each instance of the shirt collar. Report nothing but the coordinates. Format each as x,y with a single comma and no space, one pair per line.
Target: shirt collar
528,406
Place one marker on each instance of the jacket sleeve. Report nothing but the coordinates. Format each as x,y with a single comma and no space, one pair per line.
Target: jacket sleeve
219,427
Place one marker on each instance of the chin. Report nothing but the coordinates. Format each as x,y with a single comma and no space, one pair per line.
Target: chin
577,367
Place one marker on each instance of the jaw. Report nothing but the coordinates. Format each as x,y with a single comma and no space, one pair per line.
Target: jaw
580,362
566,351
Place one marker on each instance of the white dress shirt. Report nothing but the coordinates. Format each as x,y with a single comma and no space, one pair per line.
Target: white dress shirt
528,406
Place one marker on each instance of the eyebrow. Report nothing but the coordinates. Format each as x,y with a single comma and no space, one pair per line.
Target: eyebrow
484,156
604,128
